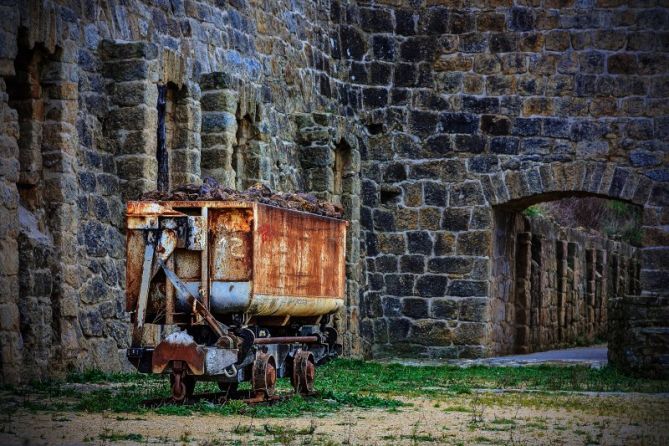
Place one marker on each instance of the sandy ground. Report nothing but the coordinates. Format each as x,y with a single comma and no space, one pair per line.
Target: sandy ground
485,418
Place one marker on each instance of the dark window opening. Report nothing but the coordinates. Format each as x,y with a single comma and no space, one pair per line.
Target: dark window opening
175,162
36,255
26,97
343,173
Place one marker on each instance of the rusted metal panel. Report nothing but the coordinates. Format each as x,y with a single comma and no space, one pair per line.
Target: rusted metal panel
150,208
231,246
178,346
291,262
187,265
273,305
197,234
298,254
134,261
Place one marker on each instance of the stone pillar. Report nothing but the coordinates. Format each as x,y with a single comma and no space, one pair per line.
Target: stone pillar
332,172
131,125
638,334
561,273
10,336
185,146
536,295
590,292
601,294
523,292
219,127
60,150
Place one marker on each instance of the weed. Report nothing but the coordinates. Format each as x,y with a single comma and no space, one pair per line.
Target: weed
503,421
286,435
533,211
109,435
185,437
477,409
457,409
242,429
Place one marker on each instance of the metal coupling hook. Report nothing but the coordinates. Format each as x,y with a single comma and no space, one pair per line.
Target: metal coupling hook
231,371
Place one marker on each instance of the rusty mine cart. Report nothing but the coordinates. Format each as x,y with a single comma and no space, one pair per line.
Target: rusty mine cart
248,289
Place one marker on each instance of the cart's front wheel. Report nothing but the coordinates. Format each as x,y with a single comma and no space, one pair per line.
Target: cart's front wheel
182,385
263,376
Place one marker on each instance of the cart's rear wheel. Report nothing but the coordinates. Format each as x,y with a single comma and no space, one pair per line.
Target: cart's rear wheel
304,373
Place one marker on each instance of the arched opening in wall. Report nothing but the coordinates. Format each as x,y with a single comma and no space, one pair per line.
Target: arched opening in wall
245,153
28,96
343,172
556,264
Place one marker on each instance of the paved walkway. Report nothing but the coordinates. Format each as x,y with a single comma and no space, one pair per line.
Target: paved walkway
595,356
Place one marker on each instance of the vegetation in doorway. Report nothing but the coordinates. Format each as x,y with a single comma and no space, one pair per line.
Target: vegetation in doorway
614,218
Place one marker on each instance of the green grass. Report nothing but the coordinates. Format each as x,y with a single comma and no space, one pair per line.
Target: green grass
533,211
344,376
110,435
408,380
341,383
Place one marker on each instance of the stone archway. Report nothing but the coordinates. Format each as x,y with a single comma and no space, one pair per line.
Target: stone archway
637,333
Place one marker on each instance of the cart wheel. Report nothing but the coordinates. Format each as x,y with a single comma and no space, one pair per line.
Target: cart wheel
182,385
264,376
178,387
304,373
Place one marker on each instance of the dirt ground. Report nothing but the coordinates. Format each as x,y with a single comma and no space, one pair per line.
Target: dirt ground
513,418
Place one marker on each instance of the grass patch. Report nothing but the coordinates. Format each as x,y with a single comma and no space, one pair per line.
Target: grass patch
342,383
457,409
409,380
109,435
346,375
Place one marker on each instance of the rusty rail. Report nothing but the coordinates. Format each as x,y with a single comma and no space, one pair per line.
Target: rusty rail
286,340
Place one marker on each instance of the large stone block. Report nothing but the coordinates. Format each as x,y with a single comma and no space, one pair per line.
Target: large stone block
431,332
431,285
476,243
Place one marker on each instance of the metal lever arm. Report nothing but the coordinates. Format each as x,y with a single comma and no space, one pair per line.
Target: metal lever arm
219,329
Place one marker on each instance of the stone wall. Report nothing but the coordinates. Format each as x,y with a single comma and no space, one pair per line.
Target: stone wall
552,285
79,119
638,334
472,105
419,116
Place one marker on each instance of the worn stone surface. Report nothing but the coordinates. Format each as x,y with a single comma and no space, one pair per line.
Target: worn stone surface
535,101
552,285
417,116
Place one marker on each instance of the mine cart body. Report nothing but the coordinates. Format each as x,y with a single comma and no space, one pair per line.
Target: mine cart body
236,281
